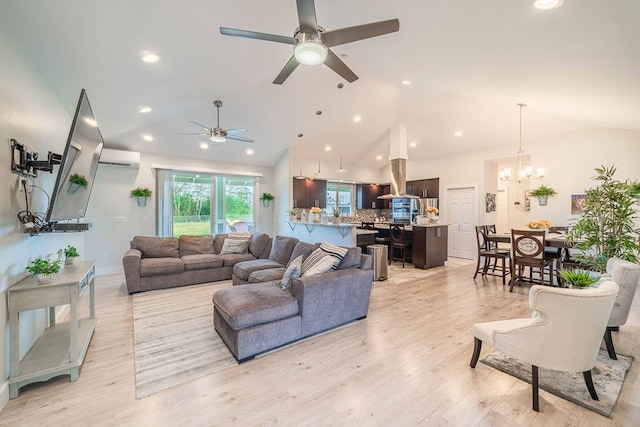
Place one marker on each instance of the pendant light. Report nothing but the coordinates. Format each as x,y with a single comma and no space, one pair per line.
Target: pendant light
300,135
340,86
523,172
318,173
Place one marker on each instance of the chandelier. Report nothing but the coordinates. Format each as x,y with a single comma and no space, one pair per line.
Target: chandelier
525,172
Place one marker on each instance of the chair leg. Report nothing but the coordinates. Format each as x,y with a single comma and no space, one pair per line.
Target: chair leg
477,346
534,388
589,381
504,273
477,267
608,340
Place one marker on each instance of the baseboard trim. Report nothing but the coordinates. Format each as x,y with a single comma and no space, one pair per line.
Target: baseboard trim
103,271
4,394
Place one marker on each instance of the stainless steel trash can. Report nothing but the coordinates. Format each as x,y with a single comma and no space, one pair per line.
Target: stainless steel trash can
379,254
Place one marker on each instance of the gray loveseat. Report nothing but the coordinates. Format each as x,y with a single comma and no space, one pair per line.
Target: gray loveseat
166,262
253,317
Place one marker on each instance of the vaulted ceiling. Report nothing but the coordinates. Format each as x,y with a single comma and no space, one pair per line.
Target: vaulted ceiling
469,63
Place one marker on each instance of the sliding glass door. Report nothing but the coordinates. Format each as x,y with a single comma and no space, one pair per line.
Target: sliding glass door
191,207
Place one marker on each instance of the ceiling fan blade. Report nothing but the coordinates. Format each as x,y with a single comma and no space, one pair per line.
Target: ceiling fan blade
234,131
339,67
201,125
287,70
307,16
193,133
239,138
256,35
360,32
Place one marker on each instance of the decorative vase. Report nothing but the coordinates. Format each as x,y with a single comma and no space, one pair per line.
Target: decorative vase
142,201
542,200
44,278
265,203
69,260
73,188
315,217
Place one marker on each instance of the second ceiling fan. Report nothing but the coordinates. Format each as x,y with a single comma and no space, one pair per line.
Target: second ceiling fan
311,42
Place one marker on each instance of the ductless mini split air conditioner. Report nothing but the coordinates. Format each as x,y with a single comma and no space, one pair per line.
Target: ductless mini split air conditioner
120,158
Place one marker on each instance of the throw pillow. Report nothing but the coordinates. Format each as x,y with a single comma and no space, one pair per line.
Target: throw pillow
327,263
317,257
335,251
234,246
293,271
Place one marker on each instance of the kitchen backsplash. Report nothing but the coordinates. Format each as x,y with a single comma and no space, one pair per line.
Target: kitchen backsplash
368,215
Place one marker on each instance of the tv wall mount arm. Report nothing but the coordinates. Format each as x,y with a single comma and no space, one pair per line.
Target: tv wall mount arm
24,160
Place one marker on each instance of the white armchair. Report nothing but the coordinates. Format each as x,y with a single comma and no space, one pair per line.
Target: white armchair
563,333
627,275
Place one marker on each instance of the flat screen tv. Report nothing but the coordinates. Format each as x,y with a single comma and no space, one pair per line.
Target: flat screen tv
78,167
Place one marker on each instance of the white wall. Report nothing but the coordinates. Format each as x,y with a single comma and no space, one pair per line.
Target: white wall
32,114
283,184
110,203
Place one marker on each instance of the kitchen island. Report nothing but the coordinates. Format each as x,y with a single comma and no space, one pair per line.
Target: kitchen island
342,234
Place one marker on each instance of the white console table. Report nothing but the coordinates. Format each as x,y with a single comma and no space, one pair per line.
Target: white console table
61,348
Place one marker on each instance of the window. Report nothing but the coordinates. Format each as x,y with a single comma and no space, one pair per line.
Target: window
343,194
195,204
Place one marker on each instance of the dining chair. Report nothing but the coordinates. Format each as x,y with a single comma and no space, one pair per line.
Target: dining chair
487,253
564,332
527,247
399,243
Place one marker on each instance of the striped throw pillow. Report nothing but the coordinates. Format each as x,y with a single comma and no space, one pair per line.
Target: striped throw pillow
334,251
317,257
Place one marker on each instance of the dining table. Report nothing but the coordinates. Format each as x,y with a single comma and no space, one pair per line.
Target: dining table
551,240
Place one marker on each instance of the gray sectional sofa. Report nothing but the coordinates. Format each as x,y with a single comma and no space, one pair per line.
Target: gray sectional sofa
167,262
256,316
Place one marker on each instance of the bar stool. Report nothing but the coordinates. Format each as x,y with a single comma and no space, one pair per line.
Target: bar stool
399,243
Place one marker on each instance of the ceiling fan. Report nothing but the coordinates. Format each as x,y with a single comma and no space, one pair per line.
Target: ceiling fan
311,42
217,134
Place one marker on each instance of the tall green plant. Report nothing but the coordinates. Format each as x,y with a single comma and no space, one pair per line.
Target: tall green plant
607,226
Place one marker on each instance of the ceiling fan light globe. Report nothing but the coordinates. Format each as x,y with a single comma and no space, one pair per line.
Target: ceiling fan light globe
310,51
218,138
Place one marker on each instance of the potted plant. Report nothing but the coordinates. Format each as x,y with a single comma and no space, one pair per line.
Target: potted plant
580,279
336,214
142,194
76,182
292,214
44,269
543,193
266,198
606,227
70,253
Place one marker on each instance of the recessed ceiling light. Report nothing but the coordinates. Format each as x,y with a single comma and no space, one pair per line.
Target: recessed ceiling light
457,133
327,148
379,157
144,110
547,4
150,57
406,82
249,151
413,144
204,145
147,137
357,118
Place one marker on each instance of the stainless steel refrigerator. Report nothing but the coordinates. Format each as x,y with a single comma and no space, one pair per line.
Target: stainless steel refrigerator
419,206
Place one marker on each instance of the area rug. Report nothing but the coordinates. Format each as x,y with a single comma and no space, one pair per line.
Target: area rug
608,376
174,339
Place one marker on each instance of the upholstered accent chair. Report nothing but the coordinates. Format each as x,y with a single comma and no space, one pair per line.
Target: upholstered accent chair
564,332
627,275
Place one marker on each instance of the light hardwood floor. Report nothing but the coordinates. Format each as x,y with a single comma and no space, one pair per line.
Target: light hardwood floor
406,364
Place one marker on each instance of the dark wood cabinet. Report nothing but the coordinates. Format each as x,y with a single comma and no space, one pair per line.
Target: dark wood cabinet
424,188
308,193
367,196
386,203
430,245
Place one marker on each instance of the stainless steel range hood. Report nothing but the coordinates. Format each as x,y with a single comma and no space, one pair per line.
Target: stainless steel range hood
398,156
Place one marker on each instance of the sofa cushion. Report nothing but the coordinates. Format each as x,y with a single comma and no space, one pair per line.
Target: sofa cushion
218,241
229,260
234,246
266,275
281,249
351,259
156,247
303,249
160,266
245,268
258,244
201,261
192,245
293,271
254,304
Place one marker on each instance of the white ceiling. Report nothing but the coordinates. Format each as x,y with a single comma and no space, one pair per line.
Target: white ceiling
470,62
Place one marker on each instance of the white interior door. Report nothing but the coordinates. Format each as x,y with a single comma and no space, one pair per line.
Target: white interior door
460,210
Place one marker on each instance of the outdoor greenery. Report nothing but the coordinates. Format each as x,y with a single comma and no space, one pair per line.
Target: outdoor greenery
79,180
43,266
543,191
578,278
607,227
141,192
71,251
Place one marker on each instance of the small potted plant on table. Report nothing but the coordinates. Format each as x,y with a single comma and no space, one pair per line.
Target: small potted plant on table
266,198
543,193
76,182
142,194
70,253
44,269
